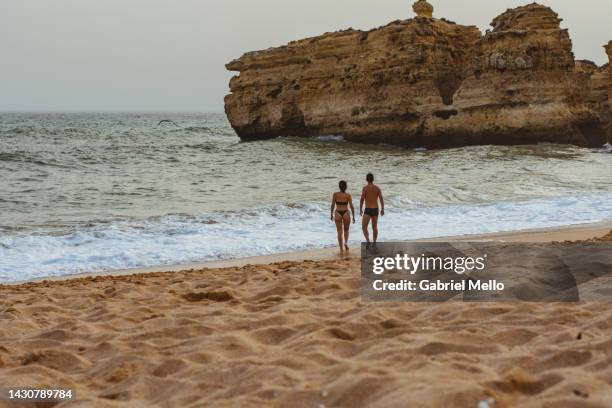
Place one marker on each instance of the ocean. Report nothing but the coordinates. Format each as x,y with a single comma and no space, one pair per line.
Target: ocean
98,192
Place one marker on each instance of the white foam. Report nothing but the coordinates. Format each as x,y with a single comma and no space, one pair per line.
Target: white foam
329,138
176,239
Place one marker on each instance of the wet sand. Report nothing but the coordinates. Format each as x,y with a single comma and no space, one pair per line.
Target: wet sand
297,333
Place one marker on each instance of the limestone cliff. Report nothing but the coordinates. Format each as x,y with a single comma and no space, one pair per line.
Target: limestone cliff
422,82
609,52
597,79
608,48
373,86
523,87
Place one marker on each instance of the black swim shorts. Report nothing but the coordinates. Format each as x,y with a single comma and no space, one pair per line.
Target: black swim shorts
372,212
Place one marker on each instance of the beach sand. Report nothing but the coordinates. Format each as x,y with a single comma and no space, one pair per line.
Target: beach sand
296,333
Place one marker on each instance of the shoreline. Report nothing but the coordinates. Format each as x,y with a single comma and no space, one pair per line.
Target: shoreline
574,232
301,334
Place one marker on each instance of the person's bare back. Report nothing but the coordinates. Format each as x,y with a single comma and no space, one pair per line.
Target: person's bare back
371,194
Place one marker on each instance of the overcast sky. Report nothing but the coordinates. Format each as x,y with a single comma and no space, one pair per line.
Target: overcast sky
169,55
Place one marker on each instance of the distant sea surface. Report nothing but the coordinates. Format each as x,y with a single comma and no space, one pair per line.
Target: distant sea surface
94,192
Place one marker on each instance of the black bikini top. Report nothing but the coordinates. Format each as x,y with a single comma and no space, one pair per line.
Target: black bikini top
341,203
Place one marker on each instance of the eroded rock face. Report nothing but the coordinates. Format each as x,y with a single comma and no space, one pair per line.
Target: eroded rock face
375,86
523,87
608,69
422,82
423,9
609,52
598,85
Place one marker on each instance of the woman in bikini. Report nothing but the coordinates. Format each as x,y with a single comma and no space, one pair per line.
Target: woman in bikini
341,201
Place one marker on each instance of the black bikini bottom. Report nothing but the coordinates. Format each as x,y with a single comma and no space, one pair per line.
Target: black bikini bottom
372,212
341,213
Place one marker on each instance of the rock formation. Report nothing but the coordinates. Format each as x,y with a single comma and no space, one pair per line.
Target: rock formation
423,9
608,114
523,87
609,52
597,79
424,82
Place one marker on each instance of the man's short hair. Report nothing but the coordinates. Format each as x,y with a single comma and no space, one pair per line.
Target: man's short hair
370,178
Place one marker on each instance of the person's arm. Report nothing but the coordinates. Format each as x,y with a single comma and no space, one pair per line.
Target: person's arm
333,205
352,207
361,202
382,203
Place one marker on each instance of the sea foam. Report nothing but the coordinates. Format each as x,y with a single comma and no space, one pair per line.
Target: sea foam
177,239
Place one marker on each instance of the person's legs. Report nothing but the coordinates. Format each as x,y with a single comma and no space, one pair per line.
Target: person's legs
347,227
338,220
364,227
375,228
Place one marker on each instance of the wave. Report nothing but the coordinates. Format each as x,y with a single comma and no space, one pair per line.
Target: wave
16,157
183,238
213,131
195,129
31,159
329,138
29,130
45,131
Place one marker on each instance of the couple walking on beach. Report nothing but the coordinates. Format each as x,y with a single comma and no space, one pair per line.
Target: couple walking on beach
371,195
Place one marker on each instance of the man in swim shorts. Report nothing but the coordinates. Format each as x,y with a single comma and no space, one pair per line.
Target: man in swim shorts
371,195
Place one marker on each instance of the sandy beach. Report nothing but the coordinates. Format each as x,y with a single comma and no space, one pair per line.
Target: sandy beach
296,333
179,181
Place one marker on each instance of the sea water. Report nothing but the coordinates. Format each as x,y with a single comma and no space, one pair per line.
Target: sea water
95,192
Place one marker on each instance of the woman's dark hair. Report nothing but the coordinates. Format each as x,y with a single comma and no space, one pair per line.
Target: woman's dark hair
342,186
370,178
